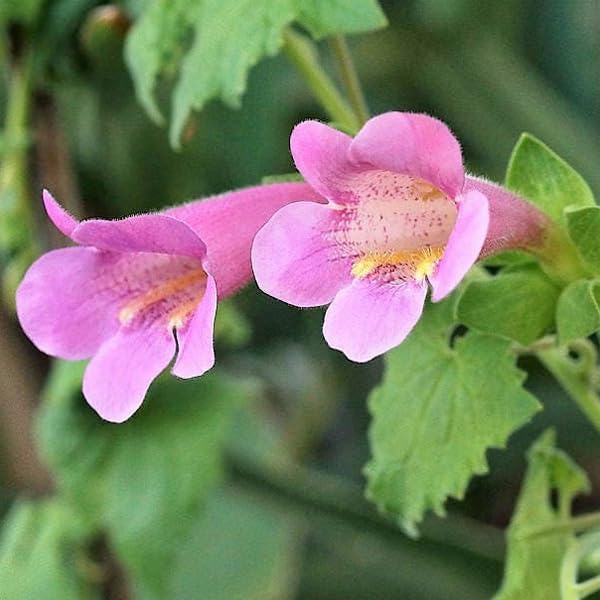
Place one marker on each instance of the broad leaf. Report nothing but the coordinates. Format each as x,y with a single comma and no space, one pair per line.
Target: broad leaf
533,562
545,179
519,305
437,411
583,225
239,549
143,481
41,553
212,44
578,310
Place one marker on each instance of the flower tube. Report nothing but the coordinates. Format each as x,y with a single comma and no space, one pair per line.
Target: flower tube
401,215
134,292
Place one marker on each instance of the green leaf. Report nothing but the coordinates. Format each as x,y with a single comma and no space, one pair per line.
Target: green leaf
578,310
323,18
533,561
41,553
212,44
545,179
519,305
583,225
437,411
155,46
143,481
239,550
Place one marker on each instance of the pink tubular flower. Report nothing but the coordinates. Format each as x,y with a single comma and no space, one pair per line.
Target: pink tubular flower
131,284
398,216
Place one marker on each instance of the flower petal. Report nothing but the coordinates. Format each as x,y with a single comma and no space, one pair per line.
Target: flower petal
321,155
61,219
119,375
141,233
292,259
411,144
196,353
464,245
64,307
227,224
369,317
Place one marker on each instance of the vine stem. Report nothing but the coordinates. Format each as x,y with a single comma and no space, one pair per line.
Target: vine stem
302,53
577,550
574,380
350,77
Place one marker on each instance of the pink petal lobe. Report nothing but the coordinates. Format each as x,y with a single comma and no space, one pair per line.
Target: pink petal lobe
369,317
63,305
141,233
196,353
61,219
227,223
118,377
293,259
321,155
464,245
411,144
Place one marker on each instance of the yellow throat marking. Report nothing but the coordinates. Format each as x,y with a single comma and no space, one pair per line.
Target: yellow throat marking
162,291
422,262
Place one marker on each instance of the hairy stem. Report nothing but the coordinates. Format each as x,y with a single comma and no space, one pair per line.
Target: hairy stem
303,56
350,78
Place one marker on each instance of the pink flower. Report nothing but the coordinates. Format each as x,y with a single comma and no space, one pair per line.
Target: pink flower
398,217
134,290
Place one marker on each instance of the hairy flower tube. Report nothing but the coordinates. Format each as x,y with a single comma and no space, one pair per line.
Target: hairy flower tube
135,291
401,215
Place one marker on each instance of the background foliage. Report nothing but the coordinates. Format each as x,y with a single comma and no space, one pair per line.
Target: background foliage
247,483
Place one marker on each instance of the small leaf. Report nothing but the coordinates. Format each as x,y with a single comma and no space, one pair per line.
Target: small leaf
533,562
41,551
519,305
583,225
437,411
143,481
337,16
545,179
578,310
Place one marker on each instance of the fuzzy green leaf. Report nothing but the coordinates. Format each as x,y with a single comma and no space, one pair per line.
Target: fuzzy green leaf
583,225
578,310
519,305
545,179
437,411
41,552
145,480
533,561
212,45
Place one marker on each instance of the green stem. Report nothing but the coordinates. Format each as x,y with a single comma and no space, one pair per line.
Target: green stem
573,524
331,497
350,78
303,56
577,550
573,380
589,587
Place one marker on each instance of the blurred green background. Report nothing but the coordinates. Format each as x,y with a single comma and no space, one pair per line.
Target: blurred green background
490,70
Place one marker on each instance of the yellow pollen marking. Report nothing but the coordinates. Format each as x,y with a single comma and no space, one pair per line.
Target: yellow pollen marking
423,261
160,292
178,315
